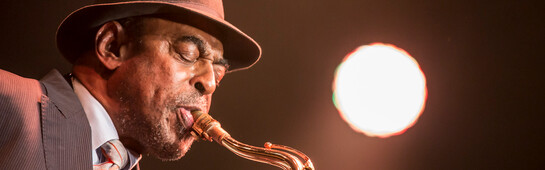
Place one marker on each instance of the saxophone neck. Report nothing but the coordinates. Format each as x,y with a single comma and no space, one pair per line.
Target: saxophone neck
205,127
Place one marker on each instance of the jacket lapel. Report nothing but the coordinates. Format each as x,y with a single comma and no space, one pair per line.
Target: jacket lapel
65,128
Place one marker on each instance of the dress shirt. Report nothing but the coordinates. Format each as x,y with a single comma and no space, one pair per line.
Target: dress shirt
102,127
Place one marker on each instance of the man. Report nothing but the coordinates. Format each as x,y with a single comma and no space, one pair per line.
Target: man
140,68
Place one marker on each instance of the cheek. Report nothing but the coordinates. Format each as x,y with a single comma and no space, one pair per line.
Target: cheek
181,72
156,78
165,85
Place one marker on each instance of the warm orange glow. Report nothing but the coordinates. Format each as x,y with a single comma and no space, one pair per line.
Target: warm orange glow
379,90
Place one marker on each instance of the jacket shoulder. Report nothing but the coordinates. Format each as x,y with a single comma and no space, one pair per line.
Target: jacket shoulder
17,91
20,130
12,85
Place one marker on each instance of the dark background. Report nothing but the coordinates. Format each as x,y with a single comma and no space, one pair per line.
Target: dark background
483,62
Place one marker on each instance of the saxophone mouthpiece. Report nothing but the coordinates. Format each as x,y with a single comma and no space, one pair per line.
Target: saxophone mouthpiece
207,128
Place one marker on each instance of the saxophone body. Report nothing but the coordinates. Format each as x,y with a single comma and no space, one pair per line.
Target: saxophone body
287,158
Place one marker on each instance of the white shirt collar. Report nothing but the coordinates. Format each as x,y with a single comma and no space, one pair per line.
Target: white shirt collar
102,127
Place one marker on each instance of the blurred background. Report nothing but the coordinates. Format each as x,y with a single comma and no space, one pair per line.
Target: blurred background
483,62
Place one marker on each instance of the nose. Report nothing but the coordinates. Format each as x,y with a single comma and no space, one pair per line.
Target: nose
204,79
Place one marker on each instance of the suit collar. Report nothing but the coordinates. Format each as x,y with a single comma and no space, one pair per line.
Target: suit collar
61,93
65,128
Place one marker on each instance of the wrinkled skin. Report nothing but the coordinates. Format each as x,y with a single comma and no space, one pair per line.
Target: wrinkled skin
163,72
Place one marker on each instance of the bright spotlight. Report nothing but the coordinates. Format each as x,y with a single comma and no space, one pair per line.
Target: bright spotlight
379,90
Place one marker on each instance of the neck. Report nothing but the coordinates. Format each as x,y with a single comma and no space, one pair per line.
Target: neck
95,80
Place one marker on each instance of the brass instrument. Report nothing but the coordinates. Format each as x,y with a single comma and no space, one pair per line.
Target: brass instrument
206,128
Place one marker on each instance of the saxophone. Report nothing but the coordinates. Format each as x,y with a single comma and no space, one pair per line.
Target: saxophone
207,128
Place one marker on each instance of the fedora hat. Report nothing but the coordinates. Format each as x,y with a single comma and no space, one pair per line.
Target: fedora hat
240,50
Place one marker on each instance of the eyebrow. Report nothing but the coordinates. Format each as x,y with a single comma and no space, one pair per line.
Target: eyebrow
196,41
204,52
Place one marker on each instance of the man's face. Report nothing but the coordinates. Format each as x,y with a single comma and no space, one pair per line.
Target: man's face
169,70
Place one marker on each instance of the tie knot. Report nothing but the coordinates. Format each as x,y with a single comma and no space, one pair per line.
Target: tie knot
115,154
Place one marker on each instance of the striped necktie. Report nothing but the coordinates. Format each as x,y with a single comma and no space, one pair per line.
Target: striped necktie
115,156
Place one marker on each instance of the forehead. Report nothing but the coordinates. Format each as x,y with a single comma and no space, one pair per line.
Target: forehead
174,30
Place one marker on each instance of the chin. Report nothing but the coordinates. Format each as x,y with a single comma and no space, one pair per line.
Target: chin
174,151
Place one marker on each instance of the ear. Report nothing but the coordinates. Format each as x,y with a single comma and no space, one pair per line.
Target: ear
108,41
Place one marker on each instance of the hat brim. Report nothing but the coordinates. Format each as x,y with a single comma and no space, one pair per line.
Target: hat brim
240,50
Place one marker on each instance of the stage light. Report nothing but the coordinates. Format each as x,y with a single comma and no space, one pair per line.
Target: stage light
379,90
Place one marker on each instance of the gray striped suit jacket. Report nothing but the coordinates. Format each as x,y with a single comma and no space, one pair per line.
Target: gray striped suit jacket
42,124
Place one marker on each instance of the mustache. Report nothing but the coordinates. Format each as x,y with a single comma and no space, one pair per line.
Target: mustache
194,99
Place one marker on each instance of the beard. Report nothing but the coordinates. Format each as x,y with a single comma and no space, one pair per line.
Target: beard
154,123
